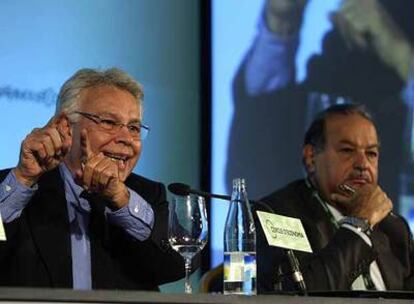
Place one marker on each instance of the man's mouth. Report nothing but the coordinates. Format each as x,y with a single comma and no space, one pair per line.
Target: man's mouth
358,181
120,158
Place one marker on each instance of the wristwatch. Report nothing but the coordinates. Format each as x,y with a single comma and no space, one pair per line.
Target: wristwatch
361,224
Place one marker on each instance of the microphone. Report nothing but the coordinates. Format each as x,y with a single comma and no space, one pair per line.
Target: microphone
184,190
293,261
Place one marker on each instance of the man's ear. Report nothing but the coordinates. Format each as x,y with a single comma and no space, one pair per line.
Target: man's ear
308,155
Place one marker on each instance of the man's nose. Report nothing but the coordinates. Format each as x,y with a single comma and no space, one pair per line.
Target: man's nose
361,161
123,135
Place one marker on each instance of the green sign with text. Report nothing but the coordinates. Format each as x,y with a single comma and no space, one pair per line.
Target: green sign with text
283,231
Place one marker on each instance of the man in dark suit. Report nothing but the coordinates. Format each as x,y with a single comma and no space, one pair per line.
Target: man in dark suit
74,214
357,242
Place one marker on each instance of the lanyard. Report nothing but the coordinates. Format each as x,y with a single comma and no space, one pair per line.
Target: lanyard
324,204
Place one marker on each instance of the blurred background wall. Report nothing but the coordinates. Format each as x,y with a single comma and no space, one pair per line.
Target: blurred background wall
42,43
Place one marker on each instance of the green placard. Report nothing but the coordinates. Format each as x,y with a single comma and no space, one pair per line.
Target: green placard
283,231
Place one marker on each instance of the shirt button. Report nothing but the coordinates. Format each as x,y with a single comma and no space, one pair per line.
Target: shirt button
136,209
8,188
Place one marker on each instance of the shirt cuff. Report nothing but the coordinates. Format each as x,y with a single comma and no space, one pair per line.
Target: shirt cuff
137,217
14,196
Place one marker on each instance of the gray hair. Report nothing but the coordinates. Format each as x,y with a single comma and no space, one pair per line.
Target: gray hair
86,78
315,135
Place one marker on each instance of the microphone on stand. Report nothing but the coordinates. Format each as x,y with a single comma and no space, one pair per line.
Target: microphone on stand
184,190
297,276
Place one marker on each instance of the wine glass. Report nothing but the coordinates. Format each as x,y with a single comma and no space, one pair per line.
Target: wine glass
187,229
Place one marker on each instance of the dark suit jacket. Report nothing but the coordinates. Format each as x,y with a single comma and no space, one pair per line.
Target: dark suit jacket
339,255
37,252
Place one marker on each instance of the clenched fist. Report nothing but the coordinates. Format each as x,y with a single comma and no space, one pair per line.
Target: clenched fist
369,202
43,149
100,174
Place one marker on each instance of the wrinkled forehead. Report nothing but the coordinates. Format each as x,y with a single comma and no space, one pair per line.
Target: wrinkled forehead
353,128
109,99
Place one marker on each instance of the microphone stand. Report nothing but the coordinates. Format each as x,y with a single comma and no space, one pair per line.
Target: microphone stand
296,273
297,276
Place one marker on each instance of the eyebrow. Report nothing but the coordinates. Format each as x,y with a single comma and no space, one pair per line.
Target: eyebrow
112,115
347,142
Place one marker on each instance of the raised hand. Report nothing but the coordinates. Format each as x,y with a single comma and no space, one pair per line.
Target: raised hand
367,25
369,202
284,17
100,174
43,149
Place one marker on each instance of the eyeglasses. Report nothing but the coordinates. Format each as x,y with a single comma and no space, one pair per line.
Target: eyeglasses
137,130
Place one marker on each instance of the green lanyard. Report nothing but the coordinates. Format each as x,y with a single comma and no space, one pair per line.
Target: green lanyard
324,204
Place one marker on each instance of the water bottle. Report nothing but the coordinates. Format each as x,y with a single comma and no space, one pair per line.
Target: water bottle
239,244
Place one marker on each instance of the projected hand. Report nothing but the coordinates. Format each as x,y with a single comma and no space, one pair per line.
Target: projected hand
100,174
43,149
369,202
367,25
284,17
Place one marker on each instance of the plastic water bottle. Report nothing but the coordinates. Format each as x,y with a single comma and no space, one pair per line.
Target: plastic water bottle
239,244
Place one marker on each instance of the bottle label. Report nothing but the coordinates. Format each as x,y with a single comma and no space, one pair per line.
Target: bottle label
240,273
239,266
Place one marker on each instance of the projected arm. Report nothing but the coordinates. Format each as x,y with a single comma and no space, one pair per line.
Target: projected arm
270,63
366,25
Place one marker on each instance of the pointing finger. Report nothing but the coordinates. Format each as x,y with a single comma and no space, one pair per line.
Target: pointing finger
53,122
64,131
86,151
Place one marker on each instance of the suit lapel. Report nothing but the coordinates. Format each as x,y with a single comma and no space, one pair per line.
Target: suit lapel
317,217
392,270
385,260
48,221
